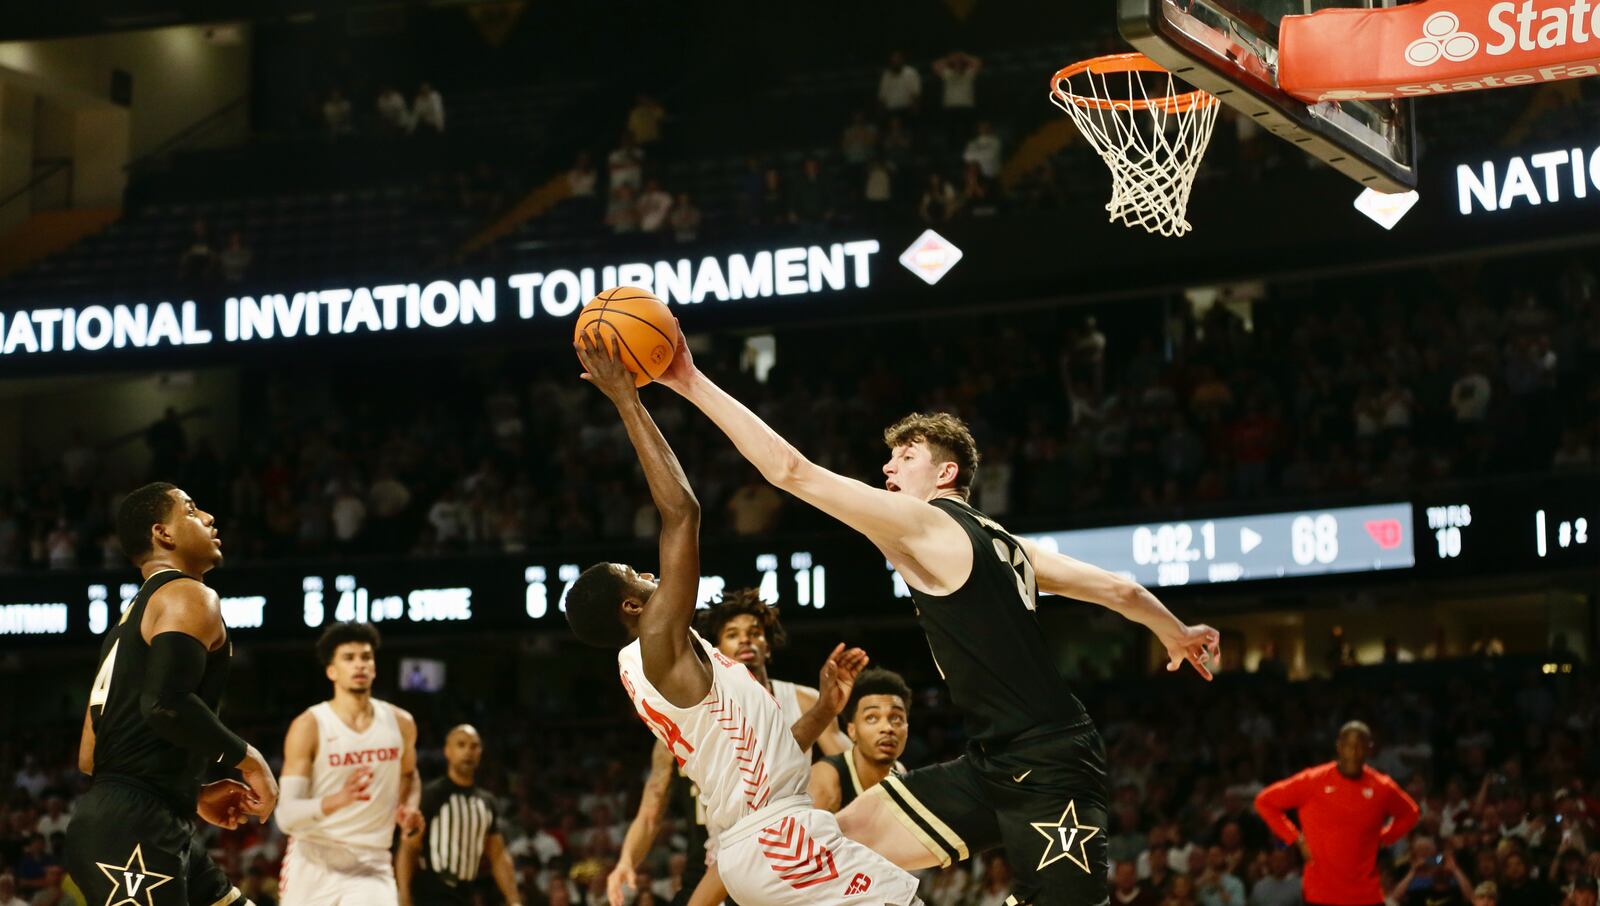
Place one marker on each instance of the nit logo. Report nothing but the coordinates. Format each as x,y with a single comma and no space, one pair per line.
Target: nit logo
657,353
1386,532
1442,38
930,257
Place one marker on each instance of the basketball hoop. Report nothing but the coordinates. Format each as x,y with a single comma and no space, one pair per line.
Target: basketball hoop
1150,135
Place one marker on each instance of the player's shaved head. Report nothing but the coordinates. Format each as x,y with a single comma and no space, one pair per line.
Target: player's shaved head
467,729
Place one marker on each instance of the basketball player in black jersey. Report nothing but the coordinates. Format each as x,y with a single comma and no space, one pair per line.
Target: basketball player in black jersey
877,721
152,731
1033,779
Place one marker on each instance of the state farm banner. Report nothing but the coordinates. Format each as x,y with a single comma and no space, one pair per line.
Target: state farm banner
1436,47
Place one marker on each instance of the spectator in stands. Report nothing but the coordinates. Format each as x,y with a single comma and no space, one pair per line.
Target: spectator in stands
625,164
198,264
1280,886
959,73
810,200
900,86
1434,879
685,222
349,515
878,191
336,114
897,142
62,545
984,150
1471,394
427,110
622,213
774,205
754,507
33,865
8,891
644,120
53,893
55,820
234,262
860,140
938,202
995,889
1216,885
581,178
977,199
393,116
1127,890
655,204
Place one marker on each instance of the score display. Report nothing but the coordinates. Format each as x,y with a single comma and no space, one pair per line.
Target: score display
1245,548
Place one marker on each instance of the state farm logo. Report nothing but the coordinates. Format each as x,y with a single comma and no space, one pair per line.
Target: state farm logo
1442,38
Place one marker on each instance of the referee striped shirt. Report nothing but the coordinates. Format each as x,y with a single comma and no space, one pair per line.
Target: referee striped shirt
459,820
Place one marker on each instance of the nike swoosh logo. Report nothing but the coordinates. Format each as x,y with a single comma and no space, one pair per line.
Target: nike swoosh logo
1023,776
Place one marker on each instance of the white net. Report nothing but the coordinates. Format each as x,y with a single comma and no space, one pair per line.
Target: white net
1150,136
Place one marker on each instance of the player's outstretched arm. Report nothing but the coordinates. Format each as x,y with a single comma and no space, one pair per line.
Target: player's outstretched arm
1058,574
891,521
832,740
646,824
669,663
185,621
835,682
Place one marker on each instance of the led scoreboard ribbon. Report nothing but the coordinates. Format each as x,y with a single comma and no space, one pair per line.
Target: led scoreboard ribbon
1548,525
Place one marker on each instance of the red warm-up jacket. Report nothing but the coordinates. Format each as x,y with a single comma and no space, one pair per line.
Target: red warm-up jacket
1345,823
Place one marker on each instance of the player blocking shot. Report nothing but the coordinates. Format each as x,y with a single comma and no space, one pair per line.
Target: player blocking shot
349,778
152,729
1033,780
716,720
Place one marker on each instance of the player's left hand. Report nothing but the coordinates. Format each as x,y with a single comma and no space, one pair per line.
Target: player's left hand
838,676
226,803
602,363
409,820
1200,645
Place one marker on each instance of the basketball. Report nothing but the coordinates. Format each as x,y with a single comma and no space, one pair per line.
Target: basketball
645,326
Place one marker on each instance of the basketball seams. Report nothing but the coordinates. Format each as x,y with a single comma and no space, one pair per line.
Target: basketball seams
623,342
645,322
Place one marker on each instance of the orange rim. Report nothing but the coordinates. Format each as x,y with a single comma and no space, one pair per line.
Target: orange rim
1125,62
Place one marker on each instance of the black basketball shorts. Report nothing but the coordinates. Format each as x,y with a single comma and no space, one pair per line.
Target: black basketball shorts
1041,797
127,845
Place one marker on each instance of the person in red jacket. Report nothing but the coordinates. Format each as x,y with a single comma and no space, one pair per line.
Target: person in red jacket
1347,812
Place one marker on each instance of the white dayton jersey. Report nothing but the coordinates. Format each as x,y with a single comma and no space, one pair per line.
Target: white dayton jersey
343,860
342,751
770,844
788,696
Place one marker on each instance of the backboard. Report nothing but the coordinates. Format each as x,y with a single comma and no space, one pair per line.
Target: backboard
1230,49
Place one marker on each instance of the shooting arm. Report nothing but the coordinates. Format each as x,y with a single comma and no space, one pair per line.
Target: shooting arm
891,521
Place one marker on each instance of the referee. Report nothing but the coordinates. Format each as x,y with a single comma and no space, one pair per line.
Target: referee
462,825
1347,812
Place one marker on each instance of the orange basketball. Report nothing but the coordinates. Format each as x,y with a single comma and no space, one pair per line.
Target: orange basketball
644,324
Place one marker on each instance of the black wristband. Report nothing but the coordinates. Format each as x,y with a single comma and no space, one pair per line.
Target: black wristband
172,709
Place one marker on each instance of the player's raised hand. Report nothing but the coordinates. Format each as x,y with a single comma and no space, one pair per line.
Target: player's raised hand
838,676
409,820
621,876
226,803
602,363
1200,645
682,369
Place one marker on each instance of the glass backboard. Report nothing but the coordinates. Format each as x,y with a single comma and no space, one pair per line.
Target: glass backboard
1230,48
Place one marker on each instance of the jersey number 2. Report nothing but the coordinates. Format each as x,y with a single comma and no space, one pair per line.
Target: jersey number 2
1011,554
102,680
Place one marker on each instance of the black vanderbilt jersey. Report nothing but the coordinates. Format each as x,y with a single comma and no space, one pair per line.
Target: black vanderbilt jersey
125,748
986,639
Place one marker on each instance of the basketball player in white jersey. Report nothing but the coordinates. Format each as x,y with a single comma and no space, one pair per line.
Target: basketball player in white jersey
350,766
747,629
771,847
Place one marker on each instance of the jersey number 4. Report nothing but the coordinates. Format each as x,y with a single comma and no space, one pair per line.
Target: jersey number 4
1012,555
102,680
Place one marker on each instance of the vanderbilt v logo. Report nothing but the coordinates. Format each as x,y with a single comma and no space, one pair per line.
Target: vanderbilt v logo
131,879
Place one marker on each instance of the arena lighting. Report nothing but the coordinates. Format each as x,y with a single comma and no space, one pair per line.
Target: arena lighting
1563,174
436,304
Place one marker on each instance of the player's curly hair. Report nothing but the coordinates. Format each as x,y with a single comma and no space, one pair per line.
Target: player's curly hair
741,601
948,437
343,634
876,681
